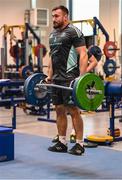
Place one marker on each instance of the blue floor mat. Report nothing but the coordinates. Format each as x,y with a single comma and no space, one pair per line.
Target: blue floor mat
34,161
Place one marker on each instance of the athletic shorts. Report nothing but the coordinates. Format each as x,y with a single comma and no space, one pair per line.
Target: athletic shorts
62,96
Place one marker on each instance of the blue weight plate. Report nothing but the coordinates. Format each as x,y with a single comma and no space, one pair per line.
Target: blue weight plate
109,67
26,70
32,96
96,51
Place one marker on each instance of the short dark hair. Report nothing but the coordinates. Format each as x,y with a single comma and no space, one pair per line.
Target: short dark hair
63,8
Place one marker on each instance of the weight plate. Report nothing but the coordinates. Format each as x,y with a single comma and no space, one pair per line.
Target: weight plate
96,51
37,50
34,95
100,138
109,67
90,145
110,49
25,71
116,132
82,98
15,51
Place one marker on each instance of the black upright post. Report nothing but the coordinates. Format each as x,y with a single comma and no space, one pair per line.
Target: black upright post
70,9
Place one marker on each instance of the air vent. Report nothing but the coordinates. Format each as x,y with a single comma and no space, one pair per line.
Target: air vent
39,17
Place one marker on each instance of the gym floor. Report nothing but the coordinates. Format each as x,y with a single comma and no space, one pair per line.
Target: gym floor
94,123
33,160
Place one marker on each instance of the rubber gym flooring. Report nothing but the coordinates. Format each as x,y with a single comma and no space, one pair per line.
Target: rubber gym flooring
34,161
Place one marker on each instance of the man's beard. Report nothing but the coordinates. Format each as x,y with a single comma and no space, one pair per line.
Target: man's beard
57,25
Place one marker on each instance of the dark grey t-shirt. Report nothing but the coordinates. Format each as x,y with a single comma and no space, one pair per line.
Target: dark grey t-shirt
63,54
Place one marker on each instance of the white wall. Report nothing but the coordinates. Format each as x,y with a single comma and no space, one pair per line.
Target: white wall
109,16
85,9
12,11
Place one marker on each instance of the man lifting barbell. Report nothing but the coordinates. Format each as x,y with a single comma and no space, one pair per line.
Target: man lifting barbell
86,92
66,44
65,41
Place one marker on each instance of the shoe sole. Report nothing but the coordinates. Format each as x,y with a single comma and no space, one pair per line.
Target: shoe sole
76,154
57,151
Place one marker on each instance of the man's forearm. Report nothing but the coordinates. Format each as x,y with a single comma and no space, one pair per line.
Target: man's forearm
83,63
50,73
50,70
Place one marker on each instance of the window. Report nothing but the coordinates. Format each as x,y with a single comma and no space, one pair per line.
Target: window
82,10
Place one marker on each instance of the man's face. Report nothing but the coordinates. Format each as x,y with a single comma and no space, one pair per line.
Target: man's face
59,18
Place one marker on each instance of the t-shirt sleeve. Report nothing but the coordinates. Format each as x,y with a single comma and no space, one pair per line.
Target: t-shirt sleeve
78,38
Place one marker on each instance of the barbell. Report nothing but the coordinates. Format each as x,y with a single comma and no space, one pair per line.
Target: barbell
87,91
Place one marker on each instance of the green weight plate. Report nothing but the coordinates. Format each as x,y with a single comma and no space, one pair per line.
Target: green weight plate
82,98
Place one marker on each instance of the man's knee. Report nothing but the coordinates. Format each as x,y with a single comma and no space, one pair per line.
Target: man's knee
60,110
73,111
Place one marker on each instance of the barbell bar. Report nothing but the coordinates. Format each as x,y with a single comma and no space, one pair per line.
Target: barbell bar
54,85
87,91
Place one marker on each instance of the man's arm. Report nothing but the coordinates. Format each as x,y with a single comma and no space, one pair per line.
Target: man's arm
83,59
49,71
92,63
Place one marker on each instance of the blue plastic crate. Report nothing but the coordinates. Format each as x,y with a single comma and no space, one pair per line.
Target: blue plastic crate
6,144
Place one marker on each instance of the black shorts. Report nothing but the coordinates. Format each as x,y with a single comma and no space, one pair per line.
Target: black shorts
62,96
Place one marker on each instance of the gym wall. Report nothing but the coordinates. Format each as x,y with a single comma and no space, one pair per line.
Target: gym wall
111,19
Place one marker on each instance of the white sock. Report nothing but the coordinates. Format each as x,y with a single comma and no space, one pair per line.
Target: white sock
79,142
73,132
63,139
